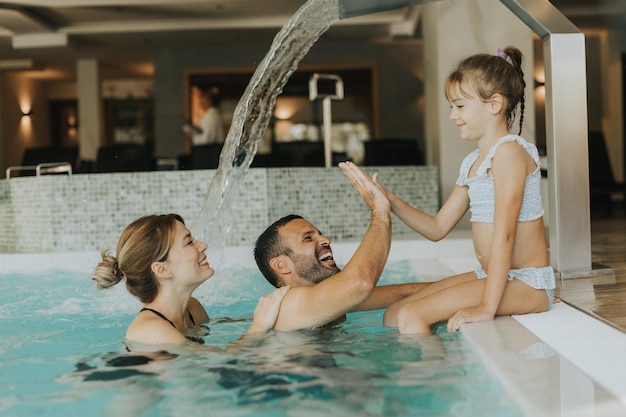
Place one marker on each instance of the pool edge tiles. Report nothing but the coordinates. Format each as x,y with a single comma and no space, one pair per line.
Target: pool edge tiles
490,342
543,379
595,347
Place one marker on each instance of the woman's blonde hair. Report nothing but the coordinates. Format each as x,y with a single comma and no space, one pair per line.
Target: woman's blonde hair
144,241
491,74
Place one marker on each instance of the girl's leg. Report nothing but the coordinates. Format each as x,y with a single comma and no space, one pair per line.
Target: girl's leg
419,315
391,314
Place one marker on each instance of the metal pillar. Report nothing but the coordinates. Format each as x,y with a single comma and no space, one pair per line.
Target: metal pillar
337,94
566,136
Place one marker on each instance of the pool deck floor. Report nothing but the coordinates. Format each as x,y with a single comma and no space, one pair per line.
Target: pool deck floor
603,297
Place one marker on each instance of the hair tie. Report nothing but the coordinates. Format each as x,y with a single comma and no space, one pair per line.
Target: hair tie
116,269
501,54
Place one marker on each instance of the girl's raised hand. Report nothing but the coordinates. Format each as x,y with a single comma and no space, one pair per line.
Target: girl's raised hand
376,180
374,197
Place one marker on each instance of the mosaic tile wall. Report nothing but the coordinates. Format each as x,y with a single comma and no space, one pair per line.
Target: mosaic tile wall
7,231
89,211
328,200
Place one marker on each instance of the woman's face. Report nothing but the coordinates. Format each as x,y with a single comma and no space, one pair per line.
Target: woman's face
186,258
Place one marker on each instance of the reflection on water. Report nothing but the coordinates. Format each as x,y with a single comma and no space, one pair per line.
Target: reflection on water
353,368
254,110
67,359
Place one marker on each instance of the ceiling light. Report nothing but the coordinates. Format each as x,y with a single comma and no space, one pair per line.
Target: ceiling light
39,40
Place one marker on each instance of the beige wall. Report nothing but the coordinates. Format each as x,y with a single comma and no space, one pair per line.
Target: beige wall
452,31
20,93
604,93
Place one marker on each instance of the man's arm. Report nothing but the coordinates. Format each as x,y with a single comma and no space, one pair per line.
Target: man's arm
306,307
385,295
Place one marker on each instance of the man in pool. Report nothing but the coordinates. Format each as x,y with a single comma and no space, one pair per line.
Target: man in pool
294,252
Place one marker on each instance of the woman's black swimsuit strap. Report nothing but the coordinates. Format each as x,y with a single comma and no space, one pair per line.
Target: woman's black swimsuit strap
192,338
165,318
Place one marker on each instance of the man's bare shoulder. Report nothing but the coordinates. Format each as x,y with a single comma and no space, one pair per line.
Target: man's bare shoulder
302,308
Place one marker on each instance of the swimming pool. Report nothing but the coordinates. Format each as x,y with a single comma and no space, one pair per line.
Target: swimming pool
61,355
60,352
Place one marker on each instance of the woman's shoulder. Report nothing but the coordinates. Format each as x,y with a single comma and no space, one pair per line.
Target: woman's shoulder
151,329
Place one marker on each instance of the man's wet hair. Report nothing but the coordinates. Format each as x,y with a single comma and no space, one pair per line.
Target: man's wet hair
269,245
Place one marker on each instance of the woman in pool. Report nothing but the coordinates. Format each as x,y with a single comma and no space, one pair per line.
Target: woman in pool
500,183
163,264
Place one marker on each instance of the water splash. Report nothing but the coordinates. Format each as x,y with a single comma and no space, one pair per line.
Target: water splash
254,111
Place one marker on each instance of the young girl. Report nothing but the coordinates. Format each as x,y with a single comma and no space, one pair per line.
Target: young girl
163,264
499,183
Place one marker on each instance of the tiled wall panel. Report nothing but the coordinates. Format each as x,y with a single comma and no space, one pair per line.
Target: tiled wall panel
89,211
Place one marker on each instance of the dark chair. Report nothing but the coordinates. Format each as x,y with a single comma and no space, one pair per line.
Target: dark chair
48,154
298,154
124,157
393,151
85,166
339,157
46,160
602,184
206,156
184,162
263,160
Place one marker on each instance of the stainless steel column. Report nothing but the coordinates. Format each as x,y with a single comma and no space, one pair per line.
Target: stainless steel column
566,136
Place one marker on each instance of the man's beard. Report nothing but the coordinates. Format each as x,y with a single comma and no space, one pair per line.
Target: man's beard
311,270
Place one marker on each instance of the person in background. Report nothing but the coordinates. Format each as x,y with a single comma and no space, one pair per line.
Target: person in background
292,252
210,129
162,265
499,183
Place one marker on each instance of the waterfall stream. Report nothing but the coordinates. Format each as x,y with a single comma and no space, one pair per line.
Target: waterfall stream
253,112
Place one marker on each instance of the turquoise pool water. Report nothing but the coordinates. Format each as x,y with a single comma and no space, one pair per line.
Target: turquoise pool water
60,355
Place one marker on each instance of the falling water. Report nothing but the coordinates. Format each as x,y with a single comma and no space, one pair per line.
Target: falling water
254,110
